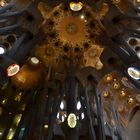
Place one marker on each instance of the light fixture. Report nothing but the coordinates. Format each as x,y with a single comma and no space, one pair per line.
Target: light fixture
34,60
46,126
18,97
77,117
58,115
78,105
138,1
134,73
82,115
72,120
62,118
2,3
138,54
1,133
4,101
2,50
10,134
82,16
13,70
130,101
76,6
62,105
17,119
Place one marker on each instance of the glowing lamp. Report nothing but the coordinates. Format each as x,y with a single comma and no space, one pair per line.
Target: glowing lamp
134,73
76,6
46,126
138,54
34,60
2,3
12,70
17,119
72,120
82,115
78,105
2,50
62,105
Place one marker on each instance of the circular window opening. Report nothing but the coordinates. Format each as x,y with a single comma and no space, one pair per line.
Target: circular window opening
56,13
111,60
77,49
137,48
11,39
56,44
6,45
92,24
116,19
133,42
86,45
66,48
30,18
